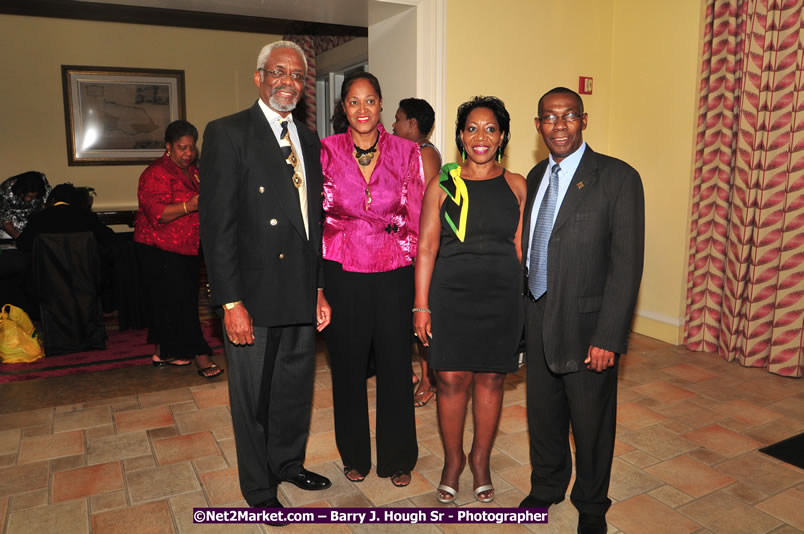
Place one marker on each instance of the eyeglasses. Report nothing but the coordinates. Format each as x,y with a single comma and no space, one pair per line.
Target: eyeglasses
279,73
567,117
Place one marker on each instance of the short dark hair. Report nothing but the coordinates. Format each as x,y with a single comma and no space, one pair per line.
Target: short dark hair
29,182
178,129
340,123
500,113
563,90
359,75
419,109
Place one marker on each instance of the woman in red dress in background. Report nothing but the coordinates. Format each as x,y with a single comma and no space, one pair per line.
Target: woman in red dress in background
167,236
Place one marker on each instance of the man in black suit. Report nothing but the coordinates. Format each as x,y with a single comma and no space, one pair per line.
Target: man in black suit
260,206
584,241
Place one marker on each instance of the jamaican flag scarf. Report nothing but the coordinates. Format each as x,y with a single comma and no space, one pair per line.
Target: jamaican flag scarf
457,211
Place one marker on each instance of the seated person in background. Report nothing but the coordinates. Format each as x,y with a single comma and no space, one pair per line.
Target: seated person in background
68,210
20,196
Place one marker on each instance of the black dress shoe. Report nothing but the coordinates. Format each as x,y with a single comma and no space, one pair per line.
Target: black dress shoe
532,502
592,524
271,503
307,480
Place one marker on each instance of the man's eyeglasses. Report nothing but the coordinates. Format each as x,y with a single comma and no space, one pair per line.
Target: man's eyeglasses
567,117
279,73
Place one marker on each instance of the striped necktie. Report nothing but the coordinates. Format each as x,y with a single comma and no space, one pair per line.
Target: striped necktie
289,153
537,273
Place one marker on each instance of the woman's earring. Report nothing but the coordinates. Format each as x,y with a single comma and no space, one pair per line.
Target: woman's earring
463,154
168,153
499,154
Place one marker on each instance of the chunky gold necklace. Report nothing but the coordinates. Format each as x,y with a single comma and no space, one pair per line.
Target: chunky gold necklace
364,156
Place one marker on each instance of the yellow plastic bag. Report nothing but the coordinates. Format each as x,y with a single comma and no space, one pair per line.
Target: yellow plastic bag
19,340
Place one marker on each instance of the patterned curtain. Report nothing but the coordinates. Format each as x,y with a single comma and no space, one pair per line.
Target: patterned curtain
745,289
312,46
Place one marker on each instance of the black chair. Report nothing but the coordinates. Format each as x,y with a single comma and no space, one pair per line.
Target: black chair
67,279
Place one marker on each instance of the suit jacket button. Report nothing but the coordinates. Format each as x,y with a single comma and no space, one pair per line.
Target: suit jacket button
272,222
281,255
261,189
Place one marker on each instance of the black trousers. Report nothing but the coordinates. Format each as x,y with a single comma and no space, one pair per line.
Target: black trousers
372,311
171,287
270,396
585,399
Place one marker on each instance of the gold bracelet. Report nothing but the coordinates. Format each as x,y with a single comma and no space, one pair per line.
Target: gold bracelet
425,310
185,208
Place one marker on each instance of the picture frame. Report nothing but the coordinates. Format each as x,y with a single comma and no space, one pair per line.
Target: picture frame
118,116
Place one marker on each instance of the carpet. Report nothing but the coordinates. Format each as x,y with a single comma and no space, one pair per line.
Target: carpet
790,450
123,349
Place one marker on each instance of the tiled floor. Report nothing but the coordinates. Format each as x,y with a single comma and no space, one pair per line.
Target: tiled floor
135,450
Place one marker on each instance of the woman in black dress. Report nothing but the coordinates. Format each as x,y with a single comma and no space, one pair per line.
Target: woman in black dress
468,305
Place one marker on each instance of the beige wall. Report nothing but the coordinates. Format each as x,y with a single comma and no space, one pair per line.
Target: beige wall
652,117
642,109
218,68
392,59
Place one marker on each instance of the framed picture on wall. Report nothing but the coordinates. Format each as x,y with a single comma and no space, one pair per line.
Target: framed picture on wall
118,116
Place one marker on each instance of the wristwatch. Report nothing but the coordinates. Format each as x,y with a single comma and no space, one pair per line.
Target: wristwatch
230,305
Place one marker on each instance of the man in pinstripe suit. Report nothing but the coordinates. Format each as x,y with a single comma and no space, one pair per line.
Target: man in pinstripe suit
584,242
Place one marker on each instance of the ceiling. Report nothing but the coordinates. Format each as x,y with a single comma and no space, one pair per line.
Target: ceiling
347,12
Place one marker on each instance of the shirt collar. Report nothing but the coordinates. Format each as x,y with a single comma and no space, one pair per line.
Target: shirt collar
569,164
272,115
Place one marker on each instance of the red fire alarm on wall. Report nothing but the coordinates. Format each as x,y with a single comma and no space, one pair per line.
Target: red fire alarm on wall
585,85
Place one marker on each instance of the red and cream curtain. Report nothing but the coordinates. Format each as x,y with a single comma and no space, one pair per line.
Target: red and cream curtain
745,290
312,46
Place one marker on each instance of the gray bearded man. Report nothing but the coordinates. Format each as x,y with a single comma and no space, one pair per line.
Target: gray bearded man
260,208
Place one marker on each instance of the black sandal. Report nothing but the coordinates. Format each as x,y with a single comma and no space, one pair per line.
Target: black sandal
213,367
396,476
172,361
347,469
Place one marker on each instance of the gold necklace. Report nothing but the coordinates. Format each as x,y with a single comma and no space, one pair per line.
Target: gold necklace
364,156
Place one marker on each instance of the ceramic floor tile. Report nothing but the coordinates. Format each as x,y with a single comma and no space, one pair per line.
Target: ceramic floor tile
759,471
221,486
514,419
209,398
724,513
690,476
10,441
639,459
210,463
748,412
658,442
153,518
645,514
201,420
132,420
68,462
51,446
86,481
86,418
690,413
71,517
108,501
9,421
786,506
24,478
161,482
3,510
164,432
690,372
775,431
117,447
170,396
745,493
514,445
321,448
627,481
32,499
139,462
722,440
186,447
634,416
790,407
670,496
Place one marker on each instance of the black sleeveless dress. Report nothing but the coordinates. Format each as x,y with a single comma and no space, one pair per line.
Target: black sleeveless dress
475,293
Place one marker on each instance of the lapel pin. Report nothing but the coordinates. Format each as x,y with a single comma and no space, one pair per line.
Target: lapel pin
262,189
579,184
